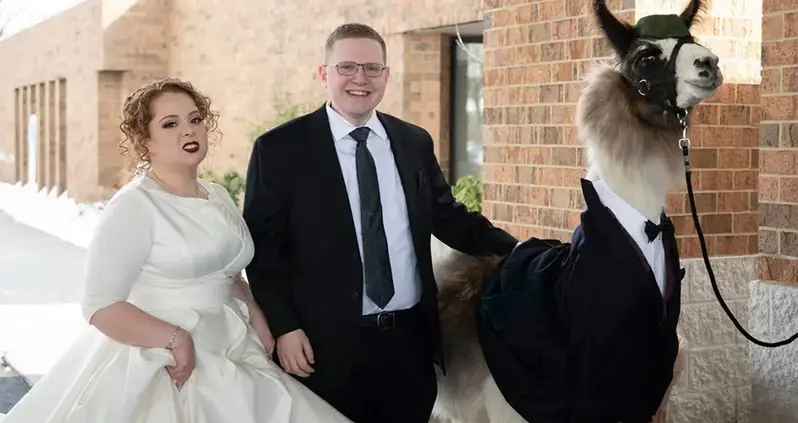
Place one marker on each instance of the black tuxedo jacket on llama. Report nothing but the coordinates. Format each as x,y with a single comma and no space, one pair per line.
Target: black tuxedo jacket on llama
579,332
307,271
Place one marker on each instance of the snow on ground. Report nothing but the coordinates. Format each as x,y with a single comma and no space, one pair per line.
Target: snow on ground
57,215
41,334
73,222
40,278
63,218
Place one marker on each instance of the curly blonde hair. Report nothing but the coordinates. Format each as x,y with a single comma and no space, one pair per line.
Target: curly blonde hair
137,114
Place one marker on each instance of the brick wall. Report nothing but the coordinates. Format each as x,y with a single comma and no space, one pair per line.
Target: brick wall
725,154
778,166
536,55
775,295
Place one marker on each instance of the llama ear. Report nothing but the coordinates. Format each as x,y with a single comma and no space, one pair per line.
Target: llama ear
620,34
691,11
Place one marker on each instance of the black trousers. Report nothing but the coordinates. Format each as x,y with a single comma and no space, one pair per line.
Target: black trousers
393,380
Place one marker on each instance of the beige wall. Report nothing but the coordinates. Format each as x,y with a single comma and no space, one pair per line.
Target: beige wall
245,54
69,47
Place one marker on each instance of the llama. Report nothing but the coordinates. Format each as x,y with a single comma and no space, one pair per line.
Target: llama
631,116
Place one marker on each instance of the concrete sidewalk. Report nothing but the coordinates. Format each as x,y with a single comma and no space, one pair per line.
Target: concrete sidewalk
40,278
12,387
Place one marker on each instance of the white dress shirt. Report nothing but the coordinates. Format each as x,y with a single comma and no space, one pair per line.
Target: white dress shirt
635,224
404,268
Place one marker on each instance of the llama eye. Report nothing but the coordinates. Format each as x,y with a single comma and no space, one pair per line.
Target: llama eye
648,60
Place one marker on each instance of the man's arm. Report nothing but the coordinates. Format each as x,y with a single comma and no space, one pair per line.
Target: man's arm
454,224
266,204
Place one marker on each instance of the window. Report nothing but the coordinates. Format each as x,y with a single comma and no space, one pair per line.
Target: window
466,109
33,147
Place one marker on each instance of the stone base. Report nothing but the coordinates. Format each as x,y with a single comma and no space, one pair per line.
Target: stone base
12,386
774,311
716,386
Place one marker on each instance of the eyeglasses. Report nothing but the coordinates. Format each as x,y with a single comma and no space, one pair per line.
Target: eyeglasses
372,70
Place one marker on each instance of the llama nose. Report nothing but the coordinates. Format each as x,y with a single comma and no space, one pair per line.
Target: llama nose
708,67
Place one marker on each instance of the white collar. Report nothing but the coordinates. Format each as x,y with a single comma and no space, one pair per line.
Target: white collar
340,127
631,219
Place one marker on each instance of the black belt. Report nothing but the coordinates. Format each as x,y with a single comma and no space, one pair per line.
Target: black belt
388,320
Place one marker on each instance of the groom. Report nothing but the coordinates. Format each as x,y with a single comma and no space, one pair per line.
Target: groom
341,203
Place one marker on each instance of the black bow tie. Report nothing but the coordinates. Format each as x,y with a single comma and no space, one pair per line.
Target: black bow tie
652,230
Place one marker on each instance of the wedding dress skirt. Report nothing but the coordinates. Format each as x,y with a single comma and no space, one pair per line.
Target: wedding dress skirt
102,381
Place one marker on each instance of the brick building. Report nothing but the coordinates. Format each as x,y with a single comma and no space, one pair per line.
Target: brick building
72,72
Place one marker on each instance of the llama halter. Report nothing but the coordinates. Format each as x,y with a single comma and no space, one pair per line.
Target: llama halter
660,27
663,93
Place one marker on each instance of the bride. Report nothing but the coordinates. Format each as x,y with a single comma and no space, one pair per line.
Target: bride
175,335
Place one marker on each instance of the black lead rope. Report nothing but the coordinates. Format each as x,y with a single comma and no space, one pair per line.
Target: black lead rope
684,144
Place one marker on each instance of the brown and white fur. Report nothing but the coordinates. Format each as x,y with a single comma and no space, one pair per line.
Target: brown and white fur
632,145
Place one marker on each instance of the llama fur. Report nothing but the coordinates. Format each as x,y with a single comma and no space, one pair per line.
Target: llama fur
608,128
641,162
634,147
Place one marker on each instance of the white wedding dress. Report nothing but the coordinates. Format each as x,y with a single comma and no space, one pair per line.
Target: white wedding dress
174,257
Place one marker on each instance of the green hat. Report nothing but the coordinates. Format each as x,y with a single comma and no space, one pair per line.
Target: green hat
662,26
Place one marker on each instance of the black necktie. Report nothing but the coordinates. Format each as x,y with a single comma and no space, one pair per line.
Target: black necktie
653,230
379,280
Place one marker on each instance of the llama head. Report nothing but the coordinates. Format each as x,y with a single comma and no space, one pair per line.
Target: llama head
660,60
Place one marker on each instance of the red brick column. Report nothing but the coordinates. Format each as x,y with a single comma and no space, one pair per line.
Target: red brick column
778,164
774,295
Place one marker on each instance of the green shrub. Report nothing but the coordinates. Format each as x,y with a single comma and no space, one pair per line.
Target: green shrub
285,110
232,181
468,190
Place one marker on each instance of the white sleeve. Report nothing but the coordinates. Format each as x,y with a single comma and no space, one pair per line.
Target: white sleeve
118,250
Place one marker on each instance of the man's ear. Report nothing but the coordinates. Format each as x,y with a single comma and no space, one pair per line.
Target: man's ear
323,74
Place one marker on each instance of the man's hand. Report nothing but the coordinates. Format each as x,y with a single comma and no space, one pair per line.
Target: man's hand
295,353
184,356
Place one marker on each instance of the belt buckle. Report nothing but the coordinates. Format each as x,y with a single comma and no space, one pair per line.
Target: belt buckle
386,320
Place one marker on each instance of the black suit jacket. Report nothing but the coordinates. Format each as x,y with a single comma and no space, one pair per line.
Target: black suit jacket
307,270
578,332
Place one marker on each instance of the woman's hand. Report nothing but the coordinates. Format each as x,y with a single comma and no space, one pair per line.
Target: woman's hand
258,322
184,356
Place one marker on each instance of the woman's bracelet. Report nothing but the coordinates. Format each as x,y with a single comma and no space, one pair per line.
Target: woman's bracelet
171,341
